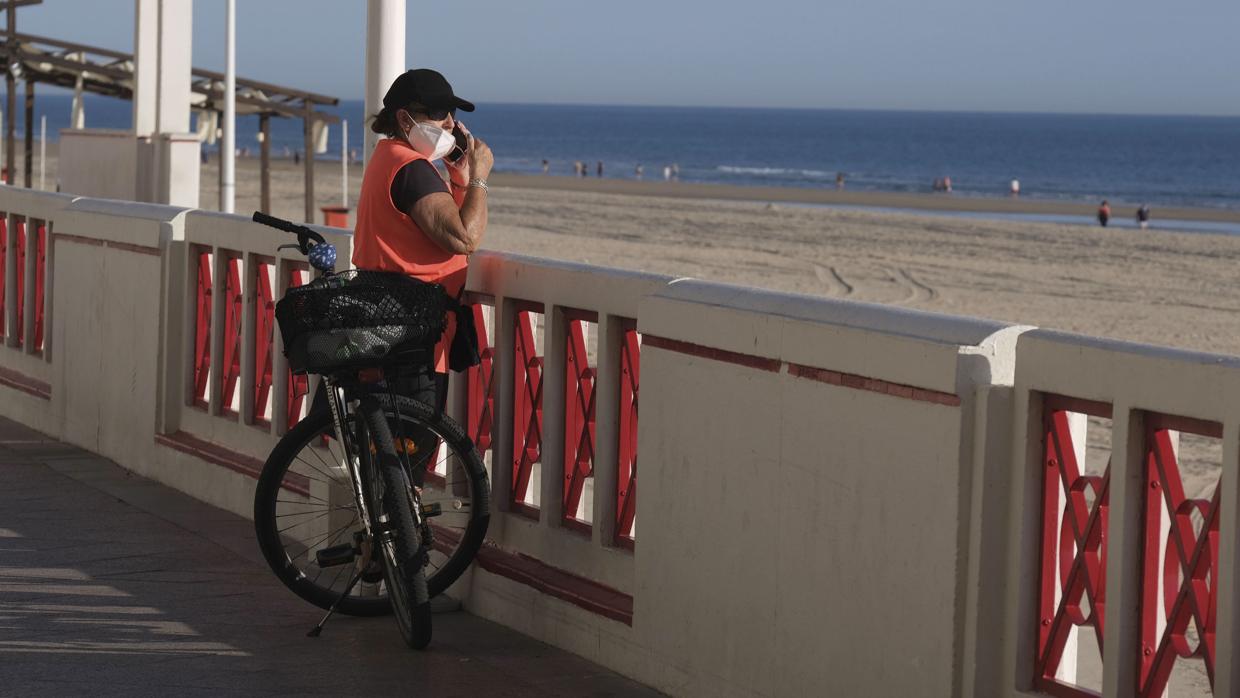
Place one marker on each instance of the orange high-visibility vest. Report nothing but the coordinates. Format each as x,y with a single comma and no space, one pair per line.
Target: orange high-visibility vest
387,239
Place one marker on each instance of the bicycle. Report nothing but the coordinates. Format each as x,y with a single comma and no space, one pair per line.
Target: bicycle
379,481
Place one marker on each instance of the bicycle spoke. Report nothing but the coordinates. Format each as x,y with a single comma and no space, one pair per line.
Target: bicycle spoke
303,513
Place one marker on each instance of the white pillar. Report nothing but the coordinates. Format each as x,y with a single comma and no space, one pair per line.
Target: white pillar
385,56
344,163
228,188
167,156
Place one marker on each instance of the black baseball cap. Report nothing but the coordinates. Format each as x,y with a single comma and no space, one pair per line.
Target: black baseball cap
426,87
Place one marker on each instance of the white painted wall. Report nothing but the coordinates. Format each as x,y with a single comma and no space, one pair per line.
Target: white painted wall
100,163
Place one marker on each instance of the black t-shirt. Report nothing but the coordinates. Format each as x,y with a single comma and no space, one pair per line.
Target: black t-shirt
414,181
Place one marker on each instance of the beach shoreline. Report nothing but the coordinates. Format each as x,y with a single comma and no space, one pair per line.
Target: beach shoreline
905,201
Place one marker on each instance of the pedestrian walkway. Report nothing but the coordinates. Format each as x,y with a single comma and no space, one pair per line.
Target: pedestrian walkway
111,584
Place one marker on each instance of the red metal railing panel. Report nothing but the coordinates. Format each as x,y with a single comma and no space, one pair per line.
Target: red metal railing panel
578,420
527,411
626,481
233,301
20,304
202,328
298,385
1188,569
1073,552
40,270
480,389
4,254
264,323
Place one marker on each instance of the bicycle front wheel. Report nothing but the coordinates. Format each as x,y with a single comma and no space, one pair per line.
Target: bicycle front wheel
304,503
392,503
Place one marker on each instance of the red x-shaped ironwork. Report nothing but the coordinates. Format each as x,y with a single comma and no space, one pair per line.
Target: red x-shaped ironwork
20,305
264,316
527,411
626,481
40,266
1073,552
4,254
480,389
202,334
578,419
232,333
298,385
1189,554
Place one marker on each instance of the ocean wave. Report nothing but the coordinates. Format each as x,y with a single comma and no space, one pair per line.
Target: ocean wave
772,171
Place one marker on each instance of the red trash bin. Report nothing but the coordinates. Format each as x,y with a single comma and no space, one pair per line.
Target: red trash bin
335,216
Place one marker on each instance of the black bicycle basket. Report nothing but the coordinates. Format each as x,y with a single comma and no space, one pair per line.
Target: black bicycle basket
357,318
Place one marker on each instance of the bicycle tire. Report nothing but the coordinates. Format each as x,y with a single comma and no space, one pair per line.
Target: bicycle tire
391,501
455,559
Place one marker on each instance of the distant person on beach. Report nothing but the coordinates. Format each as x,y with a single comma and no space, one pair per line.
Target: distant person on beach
947,184
839,181
1014,188
1143,216
599,171
675,171
667,173
413,220
637,171
296,157
1104,213
546,166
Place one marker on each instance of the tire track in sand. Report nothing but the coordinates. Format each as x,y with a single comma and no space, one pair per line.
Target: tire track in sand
837,287
917,291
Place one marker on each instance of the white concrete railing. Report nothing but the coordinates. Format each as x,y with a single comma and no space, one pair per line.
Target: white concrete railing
1160,557
26,291
836,497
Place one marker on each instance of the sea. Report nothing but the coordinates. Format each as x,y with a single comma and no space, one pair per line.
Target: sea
1160,160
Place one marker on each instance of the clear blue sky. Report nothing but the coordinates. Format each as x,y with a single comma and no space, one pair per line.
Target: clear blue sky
1116,56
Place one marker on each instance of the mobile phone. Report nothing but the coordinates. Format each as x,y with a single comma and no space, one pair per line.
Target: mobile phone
462,145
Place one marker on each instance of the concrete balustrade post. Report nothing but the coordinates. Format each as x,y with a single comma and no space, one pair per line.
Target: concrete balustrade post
176,353
1227,638
555,345
10,280
279,364
501,471
246,382
1123,574
606,428
30,292
219,304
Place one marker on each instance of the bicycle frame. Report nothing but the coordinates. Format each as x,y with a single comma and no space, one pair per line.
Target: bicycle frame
336,402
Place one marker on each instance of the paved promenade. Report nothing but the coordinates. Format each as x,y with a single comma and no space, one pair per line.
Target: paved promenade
111,584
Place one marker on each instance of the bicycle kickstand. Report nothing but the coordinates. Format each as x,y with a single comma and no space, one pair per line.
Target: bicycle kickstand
318,629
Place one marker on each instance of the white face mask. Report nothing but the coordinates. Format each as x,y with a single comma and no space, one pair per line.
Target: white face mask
430,140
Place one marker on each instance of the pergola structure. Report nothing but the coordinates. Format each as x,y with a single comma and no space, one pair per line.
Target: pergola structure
111,73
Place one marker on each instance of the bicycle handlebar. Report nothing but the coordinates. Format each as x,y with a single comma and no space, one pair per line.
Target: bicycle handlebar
303,233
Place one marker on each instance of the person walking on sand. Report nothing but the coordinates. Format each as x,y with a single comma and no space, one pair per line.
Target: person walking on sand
1104,213
637,171
839,181
599,171
1014,187
413,221
1143,216
546,166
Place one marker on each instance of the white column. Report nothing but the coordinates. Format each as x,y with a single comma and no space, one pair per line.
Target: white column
385,56
228,188
167,156
145,65
344,163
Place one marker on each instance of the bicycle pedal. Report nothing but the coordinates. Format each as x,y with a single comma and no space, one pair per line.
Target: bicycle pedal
433,509
341,554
